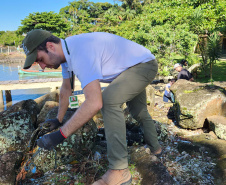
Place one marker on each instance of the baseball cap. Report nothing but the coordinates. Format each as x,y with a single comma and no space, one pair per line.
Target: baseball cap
30,43
176,65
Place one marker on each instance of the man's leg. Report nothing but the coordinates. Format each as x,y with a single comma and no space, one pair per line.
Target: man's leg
138,108
124,88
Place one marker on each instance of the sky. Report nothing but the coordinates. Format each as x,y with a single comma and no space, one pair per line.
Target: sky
13,11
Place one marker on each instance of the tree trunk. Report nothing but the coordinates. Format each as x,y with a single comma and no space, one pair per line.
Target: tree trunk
211,66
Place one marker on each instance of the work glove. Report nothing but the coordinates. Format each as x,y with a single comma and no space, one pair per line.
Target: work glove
49,141
51,124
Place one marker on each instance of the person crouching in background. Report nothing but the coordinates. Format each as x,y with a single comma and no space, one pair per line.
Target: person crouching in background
168,94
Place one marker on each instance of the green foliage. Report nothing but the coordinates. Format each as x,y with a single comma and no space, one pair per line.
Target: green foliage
45,20
218,72
213,50
165,41
214,47
170,29
2,32
133,5
10,38
82,12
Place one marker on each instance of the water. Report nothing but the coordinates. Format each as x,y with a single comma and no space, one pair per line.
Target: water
10,72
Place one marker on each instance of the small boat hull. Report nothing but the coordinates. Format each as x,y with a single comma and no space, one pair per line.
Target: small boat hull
37,72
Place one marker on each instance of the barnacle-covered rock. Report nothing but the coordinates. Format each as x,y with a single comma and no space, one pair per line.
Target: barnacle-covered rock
27,105
51,114
73,148
17,125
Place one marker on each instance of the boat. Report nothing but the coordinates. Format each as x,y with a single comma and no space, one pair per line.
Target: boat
38,72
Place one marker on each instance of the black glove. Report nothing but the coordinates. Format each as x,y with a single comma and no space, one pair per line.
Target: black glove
49,141
51,124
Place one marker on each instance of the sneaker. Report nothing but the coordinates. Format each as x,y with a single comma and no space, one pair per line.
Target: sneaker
115,177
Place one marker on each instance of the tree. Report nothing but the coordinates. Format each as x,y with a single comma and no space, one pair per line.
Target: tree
50,21
10,38
112,16
2,32
202,46
213,50
133,4
82,13
170,29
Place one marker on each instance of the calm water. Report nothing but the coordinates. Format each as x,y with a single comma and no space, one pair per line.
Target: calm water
10,72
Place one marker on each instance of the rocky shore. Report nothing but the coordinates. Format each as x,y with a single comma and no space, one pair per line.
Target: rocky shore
193,153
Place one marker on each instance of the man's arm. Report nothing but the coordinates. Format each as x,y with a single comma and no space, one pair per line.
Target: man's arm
65,92
87,110
92,104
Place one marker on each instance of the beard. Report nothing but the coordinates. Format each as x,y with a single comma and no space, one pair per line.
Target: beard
55,60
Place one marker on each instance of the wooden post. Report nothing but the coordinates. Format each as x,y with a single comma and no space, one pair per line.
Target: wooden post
1,99
8,96
9,104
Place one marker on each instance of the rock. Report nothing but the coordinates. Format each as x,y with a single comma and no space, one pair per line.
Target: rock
168,105
52,96
163,79
162,131
27,105
187,146
9,162
218,125
98,119
167,78
134,136
153,172
194,102
53,114
73,148
129,120
159,89
44,111
15,131
84,135
220,84
16,126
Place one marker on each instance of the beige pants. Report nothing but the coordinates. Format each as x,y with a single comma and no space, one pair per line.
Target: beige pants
128,87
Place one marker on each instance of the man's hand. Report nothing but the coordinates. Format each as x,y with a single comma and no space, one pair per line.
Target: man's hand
51,124
49,141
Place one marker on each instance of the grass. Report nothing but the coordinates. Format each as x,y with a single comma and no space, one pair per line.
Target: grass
219,73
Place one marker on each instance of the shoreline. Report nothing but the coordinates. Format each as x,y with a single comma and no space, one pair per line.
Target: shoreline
12,61
13,57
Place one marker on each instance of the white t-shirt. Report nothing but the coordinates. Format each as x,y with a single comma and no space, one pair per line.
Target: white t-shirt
101,56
